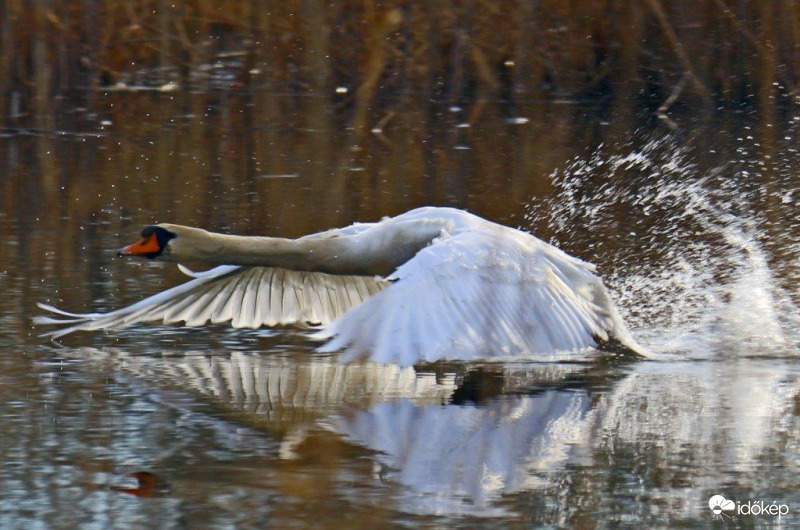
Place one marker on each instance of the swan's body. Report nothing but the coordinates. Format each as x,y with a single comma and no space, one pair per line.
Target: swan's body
433,283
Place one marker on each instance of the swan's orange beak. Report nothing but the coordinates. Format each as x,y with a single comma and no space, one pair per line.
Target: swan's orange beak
148,245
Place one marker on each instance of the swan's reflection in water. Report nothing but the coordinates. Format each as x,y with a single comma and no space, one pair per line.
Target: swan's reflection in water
456,436
491,439
456,459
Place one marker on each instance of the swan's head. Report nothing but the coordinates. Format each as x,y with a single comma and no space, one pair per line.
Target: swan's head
168,242
155,243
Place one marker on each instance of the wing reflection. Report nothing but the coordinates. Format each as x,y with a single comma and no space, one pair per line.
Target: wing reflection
468,439
456,459
278,389
457,438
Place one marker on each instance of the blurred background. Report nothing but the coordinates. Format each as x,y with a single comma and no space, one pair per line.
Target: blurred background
375,59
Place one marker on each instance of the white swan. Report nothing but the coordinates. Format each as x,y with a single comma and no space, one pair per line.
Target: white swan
433,283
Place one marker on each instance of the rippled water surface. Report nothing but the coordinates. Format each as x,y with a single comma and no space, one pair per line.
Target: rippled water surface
696,234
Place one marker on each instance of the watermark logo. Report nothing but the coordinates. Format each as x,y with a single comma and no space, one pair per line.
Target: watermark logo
725,508
720,505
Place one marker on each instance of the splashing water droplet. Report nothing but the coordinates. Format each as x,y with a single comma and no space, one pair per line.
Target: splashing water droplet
691,258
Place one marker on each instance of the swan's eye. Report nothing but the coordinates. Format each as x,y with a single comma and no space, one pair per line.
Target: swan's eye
163,236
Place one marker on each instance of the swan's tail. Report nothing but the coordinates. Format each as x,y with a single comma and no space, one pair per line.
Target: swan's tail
625,344
620,339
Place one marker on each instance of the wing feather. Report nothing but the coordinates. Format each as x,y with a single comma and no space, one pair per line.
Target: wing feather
226,309
475,295
259,304
245,296
274,300
202,310
190,305
247,310
234,305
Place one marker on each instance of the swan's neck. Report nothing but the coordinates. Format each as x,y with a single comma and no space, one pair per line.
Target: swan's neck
377,251
264,251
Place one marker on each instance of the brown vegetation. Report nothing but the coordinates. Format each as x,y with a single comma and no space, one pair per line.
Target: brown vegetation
633,54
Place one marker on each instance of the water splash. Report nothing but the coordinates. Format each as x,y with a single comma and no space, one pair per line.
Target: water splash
691,255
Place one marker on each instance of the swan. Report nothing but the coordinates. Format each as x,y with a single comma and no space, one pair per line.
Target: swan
433,283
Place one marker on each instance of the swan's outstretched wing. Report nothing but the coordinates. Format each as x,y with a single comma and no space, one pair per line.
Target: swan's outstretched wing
246,296
479,294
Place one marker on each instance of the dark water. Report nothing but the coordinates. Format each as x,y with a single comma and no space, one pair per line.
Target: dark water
697,235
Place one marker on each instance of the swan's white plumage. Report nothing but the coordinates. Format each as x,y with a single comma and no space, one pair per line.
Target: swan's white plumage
478,294
248,297
477,290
